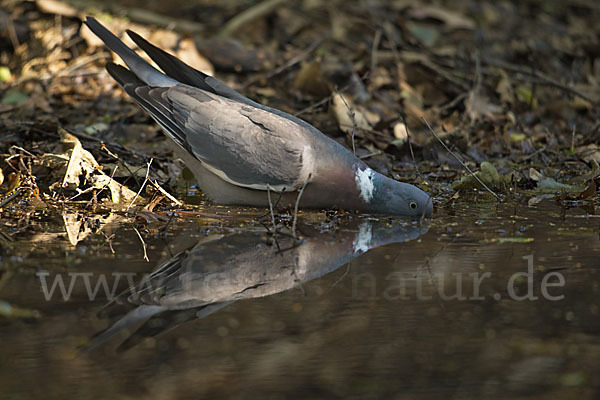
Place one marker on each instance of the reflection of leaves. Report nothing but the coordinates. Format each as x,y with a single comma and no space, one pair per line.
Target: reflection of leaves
514,240
79,227
7,310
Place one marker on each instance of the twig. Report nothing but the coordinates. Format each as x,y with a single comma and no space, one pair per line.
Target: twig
412,153
10,198
109,241
538,78
328,98
352,116
141,187
81,62
165,193
257,11
458,159
271,208
288,64
12,32
297,204
374,48
375,153
143,244
340,278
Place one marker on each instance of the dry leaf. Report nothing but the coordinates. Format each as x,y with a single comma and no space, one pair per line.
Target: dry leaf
451,19
343,108
479,107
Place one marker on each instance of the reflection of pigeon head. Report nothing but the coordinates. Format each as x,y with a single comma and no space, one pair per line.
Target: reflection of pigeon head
239,149
216,272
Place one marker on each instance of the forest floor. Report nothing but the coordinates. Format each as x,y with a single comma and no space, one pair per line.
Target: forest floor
446,97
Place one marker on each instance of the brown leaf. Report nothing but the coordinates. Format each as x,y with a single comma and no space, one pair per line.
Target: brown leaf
588,192
479,107
310,80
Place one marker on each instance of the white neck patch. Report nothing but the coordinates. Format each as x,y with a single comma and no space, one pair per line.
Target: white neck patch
363,238
364,182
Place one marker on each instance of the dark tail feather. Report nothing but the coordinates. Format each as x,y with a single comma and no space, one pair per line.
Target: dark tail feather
137,64
173,67
122,75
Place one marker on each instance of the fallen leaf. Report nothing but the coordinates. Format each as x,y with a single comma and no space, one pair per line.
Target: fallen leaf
451,19
310,80
591,152
479,107
14,96
83,173
546,184
5,74
348,114
423,33
487,174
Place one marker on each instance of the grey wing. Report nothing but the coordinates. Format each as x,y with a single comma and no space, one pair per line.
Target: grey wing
242,144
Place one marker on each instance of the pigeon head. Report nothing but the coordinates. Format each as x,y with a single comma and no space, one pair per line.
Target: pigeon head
388,196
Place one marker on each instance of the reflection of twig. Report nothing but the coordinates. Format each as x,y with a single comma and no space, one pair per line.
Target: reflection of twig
340,279
352,116
109,241
428,266
297,204
458,159
143,244
141,187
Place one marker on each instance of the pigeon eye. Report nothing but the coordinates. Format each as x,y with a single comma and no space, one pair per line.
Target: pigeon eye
412,205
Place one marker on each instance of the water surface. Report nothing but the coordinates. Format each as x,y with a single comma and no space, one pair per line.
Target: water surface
358,309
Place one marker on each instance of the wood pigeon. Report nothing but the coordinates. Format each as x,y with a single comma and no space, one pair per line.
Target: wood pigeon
240,150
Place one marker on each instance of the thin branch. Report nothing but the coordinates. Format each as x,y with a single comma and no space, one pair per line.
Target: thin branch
459,160
374,48
257,11
537,77
297,204
353,117
166,194
328,98
412,153
143,244
288,64
271,208
141,187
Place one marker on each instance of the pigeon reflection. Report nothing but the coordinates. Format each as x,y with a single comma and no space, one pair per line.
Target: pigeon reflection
221,269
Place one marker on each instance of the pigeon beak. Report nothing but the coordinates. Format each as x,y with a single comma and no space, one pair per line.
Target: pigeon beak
428,209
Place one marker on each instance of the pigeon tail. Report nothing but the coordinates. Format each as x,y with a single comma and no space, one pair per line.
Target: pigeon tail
140,67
